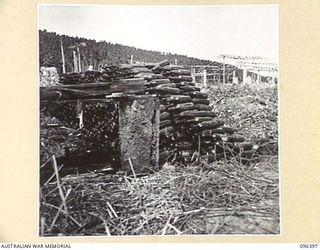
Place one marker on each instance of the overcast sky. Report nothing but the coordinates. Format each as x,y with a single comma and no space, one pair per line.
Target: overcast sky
203,31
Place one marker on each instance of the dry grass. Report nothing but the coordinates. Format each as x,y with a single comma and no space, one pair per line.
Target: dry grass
222,198
252,109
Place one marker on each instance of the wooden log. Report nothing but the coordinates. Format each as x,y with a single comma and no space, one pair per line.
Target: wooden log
126,88
80,91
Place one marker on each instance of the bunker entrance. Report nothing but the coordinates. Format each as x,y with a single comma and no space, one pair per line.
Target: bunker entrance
83,136
100,135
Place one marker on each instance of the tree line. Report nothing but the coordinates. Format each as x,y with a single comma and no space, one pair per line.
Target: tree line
99,53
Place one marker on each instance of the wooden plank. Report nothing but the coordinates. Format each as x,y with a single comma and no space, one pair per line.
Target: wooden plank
98,84
90,90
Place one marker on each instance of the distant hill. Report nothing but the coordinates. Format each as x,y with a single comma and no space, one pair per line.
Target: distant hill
99,53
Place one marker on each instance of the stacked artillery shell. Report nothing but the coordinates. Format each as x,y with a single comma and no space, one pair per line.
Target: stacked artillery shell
108,73
71,78
113,72
101,126
89,76
188,125
64,112
185,112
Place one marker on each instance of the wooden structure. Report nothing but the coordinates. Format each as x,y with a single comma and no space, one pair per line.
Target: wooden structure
76,55
254,68
63,58
215,72
218,73
138,117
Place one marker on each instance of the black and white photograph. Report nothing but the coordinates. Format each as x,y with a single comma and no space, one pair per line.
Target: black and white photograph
158,120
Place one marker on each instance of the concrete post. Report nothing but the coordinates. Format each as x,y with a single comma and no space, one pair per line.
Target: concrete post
139,120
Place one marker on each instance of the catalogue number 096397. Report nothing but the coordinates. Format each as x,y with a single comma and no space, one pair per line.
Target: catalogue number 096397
309,246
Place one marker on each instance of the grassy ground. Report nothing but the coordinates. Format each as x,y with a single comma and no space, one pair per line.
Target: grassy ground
225,197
